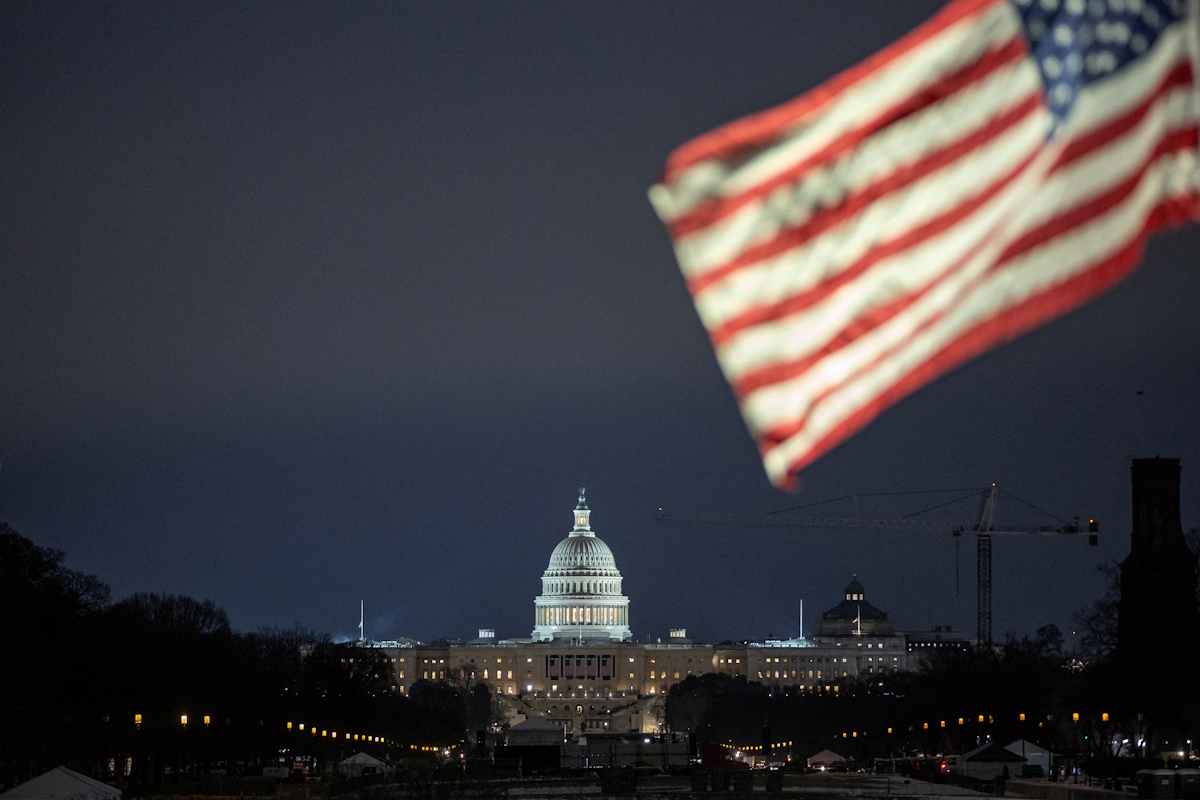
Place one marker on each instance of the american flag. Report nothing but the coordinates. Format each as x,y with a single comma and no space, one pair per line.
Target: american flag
998,166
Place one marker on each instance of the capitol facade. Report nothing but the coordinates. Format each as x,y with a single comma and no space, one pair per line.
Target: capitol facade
580,667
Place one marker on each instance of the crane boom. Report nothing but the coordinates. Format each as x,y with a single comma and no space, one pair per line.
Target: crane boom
859,523
983,530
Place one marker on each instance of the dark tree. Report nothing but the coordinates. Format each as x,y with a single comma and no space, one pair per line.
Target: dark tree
47,716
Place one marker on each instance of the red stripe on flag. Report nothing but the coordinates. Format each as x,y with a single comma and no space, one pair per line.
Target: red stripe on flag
759,129
711,210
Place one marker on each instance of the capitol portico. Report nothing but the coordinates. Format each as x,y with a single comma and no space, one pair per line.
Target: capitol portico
580,666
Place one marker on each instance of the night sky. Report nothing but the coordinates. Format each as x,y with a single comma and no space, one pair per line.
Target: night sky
307,304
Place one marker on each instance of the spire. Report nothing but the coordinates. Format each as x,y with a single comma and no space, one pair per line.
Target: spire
583,515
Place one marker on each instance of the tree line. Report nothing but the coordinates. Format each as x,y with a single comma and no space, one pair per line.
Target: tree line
1082,706
156,685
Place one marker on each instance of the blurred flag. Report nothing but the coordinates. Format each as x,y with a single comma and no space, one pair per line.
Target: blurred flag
996,167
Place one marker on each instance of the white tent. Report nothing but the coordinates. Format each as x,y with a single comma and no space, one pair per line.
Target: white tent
988,762
61,783
1035,755
826,758
361,764
536,730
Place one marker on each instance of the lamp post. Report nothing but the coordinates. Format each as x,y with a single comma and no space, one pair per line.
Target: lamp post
183,721
135,774
1075,760
1050,745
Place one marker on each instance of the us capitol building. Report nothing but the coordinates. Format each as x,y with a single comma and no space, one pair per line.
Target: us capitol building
579,667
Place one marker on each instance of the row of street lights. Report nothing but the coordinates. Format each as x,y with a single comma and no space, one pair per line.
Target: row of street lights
981,719
183,720
355,736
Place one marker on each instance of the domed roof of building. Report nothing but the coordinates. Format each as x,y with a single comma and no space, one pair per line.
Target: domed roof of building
581,552
582,549
854,615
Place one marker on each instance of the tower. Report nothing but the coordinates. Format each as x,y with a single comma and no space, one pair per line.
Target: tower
1158,619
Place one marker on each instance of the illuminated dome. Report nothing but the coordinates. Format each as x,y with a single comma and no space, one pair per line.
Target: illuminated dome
587,552
581,589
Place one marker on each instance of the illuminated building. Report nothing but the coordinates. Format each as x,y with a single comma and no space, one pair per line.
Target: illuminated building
580,668
581,589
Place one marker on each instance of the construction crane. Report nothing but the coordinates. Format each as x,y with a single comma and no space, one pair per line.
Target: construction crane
984,529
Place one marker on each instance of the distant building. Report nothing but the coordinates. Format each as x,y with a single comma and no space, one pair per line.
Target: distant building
941,639
580,670
1158,617
854,616
1158,578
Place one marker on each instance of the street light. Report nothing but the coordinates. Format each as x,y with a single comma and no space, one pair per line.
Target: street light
1075,764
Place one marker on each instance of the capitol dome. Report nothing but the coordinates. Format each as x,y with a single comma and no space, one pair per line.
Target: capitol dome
581,551
581,589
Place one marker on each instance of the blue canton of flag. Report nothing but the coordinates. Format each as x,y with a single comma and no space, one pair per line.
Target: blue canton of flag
1076,42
